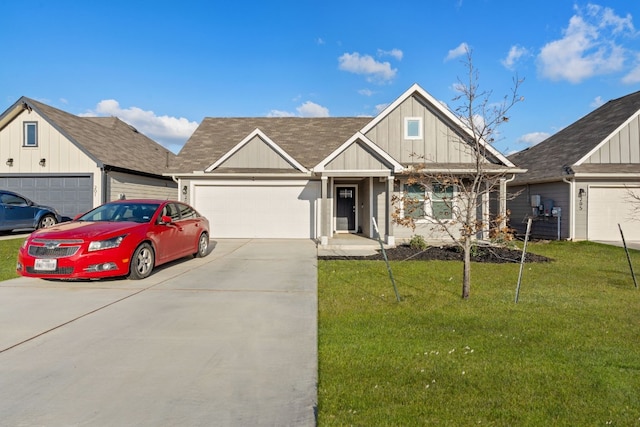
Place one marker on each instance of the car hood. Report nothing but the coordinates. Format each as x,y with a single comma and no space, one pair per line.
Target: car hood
86,230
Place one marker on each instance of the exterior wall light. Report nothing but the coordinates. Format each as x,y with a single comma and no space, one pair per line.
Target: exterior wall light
43,162
184,190
10,161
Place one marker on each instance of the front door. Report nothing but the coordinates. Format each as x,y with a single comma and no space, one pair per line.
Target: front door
345,209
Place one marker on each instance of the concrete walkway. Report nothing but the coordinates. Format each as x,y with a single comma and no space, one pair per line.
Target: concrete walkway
227,340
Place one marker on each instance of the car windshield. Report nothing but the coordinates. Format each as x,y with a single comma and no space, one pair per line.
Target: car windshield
135,212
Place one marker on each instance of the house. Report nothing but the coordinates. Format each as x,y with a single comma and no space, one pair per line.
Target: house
579,180
315,178
74,163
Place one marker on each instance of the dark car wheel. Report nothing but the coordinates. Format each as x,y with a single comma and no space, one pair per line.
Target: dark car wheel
203,246
142,262
47,221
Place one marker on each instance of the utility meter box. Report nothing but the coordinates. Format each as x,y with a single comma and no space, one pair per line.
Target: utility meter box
535,201
556,212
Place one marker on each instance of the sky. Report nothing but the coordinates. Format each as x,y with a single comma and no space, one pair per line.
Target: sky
162,66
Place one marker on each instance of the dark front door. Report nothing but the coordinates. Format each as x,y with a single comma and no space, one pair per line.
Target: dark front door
346,209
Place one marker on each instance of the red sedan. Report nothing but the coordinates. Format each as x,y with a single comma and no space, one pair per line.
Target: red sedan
120,238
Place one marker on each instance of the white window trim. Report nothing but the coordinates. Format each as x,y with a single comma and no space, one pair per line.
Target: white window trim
427,208
25,127
406,127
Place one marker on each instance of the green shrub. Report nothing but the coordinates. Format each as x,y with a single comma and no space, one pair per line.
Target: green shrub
418,242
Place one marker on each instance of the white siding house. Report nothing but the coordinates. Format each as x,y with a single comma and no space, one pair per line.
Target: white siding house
75,163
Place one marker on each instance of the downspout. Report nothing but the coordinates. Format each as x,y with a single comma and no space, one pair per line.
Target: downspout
503,200
105,184
572,229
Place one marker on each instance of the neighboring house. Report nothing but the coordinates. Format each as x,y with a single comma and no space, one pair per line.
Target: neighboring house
75,163
587,171
315,177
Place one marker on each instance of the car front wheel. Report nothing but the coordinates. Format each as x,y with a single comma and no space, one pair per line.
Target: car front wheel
142,262
47,221
203,246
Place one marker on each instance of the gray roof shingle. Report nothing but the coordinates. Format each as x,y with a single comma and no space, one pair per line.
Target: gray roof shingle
549,160
307,140
110,140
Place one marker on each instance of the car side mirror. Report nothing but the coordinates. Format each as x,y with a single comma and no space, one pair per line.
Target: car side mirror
166,219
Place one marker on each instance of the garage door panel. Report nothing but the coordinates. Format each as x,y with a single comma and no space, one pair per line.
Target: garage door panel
609,207
265,211
69,195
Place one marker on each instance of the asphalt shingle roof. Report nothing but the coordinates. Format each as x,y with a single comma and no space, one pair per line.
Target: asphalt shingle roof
110,140
550,159
307,140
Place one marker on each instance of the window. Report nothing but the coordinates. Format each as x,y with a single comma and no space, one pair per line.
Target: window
413,128
30,134
186,212
10,199
414,202
441,201
440,198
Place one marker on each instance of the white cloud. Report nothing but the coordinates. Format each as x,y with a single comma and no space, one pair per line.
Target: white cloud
461,50
307,109
365,92
280,113
597,102
319,41
533,138
380,107
515,53
367,65
588,47
395,53
633,76
311,109
170,131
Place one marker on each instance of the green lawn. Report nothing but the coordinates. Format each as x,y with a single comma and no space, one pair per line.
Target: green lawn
567,354
8,257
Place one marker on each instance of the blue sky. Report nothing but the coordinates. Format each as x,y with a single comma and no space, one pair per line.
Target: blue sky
163,66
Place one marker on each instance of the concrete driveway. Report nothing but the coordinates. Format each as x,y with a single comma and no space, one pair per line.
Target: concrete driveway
228,340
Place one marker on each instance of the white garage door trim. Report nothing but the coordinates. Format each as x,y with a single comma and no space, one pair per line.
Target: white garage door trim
609,206
259,209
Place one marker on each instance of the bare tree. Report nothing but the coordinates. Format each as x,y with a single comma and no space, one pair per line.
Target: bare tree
633,197
456,192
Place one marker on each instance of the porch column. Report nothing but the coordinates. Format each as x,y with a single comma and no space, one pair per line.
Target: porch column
388,209
486,217
324,212
502,213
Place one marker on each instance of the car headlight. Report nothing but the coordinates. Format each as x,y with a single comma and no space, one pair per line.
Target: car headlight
99,245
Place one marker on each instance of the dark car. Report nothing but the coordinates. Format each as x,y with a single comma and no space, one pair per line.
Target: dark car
120,238
16,212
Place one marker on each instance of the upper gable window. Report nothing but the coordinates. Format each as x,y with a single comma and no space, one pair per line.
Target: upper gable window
30,134
413,128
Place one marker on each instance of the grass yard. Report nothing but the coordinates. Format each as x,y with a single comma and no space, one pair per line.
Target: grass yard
8,257
567,354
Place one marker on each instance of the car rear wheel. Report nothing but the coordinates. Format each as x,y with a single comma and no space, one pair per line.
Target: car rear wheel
47,221
203,246
142,262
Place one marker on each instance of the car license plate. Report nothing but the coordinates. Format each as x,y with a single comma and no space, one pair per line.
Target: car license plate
46,264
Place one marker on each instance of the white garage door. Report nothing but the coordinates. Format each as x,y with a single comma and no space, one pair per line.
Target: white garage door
609,207
265,210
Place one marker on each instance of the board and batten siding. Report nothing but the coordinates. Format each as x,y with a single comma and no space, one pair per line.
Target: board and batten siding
256,154
622,147
140,187
356,157
439,143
